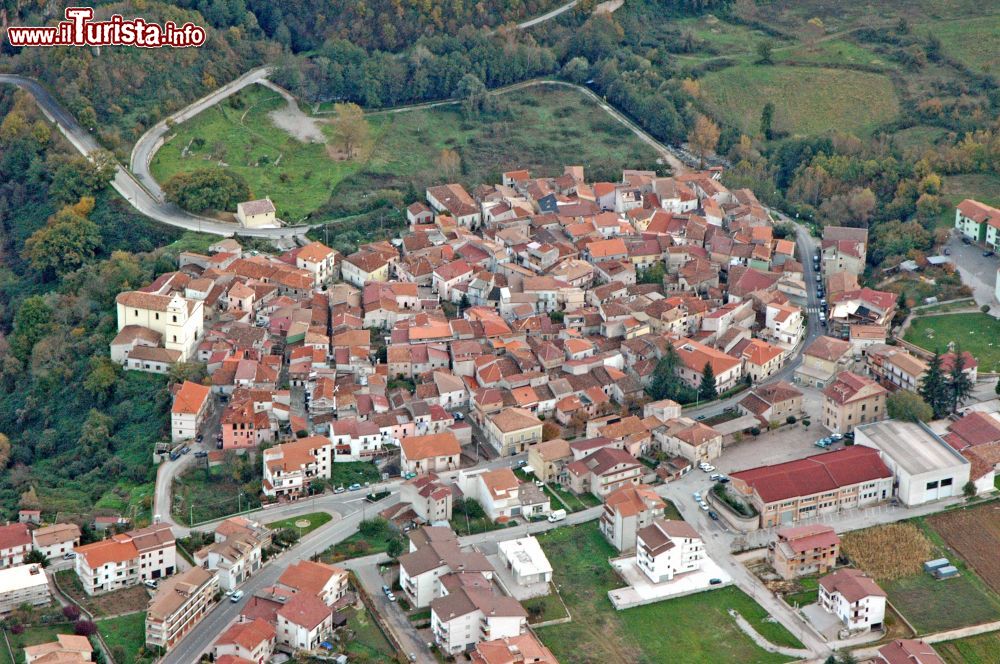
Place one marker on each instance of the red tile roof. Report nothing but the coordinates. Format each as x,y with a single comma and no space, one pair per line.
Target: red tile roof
815,474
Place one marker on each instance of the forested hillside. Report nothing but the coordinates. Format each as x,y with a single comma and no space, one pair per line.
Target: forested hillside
80,431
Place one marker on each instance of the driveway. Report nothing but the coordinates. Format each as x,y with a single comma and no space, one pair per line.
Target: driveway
978,272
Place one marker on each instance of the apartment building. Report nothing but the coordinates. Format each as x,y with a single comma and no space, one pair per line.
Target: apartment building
666,548
461,619
23,584
179,604
190,406
289,468
894,367
626,511
851,400
854,598
127,559
512,430
237,552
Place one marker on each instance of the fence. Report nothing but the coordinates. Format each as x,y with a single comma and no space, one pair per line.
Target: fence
83,611
376,617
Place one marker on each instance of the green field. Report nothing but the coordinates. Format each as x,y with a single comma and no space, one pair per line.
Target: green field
981,649
934,606
807,100
543,129
368,641
127,632
977,333
315,519
693,629
840,51
973,42
245,140
32,636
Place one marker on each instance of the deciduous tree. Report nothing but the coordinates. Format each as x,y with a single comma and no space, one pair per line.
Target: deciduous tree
704,137
351,128
67,241
207,189
908,406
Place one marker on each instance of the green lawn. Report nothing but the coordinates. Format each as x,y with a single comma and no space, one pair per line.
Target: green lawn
981,649
31,637
354,472
693,629
807,100
975,42
977,333
127,632
362,544
543,130
933,606
832,51
315,520
807,595
545,608
368,641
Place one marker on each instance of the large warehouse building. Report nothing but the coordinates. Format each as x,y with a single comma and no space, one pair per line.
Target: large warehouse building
924,466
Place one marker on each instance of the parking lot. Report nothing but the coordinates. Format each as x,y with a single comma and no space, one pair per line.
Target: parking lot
978,272
790,442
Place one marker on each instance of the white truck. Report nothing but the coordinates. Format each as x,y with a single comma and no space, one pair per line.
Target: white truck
557,515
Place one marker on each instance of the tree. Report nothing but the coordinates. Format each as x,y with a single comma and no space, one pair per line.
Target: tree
577,70
665,380
908,406
102,377
394,547
32,321
207,189
4,450
996,388
704,137
767,121
84,628
653,274
76,177
706,389
969,489
66,242
71,612
350,127
36,557
959,384
934,387
190,371
765,54
473,94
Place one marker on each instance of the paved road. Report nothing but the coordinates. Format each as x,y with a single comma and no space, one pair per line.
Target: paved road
200,639
978,272
546,16
125,183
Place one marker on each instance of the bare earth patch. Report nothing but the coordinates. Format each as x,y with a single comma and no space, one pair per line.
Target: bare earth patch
298,124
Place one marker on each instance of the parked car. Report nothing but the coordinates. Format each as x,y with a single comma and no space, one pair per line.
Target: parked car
697,496
218,445
236,596
391,597
987,254
69,555
836,436
201,454
713,515
458,416
709,468
715,477
174,456
185,449
557,515
149,583
703,505
723,480
966,240
200,438
947,251
354,487
714,582
386,589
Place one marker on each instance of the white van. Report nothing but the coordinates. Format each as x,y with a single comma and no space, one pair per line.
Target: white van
557,515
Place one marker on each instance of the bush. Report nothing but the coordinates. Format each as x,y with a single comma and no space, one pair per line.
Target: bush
792,419
84,628
71,612
985,308
755,431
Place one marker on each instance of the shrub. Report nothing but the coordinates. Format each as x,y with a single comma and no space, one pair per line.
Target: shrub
71,612
755,431
985,308
84,628
791,419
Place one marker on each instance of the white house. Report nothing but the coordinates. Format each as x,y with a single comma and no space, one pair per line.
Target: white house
23,584
237,552
190,406
434,553
925,467
854,598
461,619
56,540
525,560
303,623
127,559
666,548
318,259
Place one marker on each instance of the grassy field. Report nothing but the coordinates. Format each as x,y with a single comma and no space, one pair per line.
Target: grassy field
32,636
973,42
543,129
695,628
360,544
807,100
978,333
975,534
129,633
203,494
297,176
354,472
315,519
980,649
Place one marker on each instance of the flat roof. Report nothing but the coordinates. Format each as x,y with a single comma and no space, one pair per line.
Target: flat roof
913,447
22,577
526,556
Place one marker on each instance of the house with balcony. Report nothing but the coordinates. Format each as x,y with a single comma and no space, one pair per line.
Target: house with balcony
435,553
666,548
461,619
854,598
179,604
628,510
237,551
127,559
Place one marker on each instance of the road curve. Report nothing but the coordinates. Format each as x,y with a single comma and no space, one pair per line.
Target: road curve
138,196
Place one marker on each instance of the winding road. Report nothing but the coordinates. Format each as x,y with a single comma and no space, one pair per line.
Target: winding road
126,184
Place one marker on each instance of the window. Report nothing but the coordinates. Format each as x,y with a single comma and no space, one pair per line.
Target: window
946,482
932,485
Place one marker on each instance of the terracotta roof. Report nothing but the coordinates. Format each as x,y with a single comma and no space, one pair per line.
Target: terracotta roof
315,252
305,611
308,576
853,584
260,206
107,551
849,386
908,651
514,419
520,649
828,348
56,534
807,538
14,535
978,212
248,635
631,500
430,446
815,474
188,400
